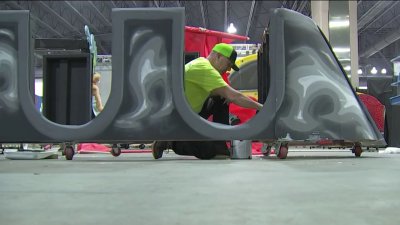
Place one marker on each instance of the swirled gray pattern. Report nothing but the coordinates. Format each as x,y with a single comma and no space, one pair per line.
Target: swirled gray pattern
147,74
318,98
8,71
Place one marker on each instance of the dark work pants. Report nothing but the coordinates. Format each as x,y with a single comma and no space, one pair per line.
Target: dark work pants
216,107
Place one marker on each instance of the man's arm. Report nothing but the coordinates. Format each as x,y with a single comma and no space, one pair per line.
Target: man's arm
236,97
96,93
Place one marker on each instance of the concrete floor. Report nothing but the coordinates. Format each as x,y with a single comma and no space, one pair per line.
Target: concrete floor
318,187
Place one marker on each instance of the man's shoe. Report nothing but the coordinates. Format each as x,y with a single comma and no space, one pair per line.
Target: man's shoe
158,148
233,120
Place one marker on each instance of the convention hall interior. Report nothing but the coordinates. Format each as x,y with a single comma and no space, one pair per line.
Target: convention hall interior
200,112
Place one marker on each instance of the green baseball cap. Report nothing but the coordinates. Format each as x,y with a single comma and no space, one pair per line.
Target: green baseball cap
228,51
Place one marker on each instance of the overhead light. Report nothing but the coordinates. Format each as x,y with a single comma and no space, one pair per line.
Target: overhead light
341,50
359,71
339,23
347,68
374,71
383,71
232,29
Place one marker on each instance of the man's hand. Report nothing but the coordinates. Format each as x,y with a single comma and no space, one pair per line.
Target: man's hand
232,95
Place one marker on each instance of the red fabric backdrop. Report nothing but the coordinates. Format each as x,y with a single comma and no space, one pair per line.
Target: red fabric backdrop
201,40
375,109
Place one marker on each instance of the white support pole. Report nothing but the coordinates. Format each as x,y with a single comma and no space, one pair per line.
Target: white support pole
353,43
319,13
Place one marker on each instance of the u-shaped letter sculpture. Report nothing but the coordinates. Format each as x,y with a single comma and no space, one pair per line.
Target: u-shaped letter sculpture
307,91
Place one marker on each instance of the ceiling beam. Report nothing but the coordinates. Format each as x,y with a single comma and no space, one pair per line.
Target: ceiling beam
35,18
251,14
383,43
51,11
45,25
87,22
294,5
380,15
80,16
375,11
302,5
390,22
100,13
14,5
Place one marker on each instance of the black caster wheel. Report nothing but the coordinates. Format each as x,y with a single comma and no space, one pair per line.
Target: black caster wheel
357,150
125,146
115,150
283,152
69,152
